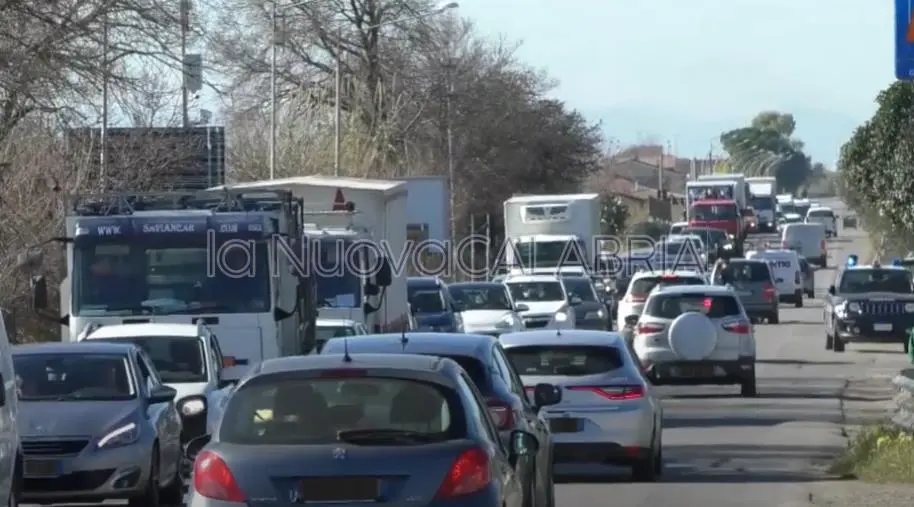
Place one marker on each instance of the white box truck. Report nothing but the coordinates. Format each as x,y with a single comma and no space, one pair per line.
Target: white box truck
763,199
338,213
549,230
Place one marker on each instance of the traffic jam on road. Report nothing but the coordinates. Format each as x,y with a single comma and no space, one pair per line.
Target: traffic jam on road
288,387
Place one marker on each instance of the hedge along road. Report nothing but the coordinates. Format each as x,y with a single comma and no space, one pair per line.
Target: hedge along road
724,450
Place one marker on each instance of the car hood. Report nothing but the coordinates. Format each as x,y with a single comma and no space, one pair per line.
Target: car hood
480,318
71,418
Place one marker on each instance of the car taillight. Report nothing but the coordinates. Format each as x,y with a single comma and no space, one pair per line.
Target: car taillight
468,474
501,413
636,298
769,292
738,327
615,393
648,328
214,480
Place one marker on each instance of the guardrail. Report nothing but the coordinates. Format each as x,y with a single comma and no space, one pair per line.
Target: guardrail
904,400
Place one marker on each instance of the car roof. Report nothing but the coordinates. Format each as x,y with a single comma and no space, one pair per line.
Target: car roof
424,281
144,329
361,360
679,273
713,290
336,322
100,347
445,344
563,337
477,285
532,278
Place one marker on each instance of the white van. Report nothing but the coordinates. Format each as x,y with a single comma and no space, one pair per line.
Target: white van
788,276
10,451
808,240
826,217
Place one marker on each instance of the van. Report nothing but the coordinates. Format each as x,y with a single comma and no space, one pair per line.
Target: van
826,217
788,274
10,449
808,240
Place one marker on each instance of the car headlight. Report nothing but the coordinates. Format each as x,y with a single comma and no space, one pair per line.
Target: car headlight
909,307
125,434
561,317
192,406
595,315
507,322
853,307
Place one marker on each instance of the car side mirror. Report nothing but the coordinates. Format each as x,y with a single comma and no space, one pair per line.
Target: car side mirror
545,395
39,289
384,276
193,448
162,394
521,308
524,443
832,290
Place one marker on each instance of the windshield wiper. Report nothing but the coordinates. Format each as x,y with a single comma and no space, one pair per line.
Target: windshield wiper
384,436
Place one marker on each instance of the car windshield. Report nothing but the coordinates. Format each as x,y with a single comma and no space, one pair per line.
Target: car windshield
72,377
714,212
859,280
481,297
177,358
536,291
362,410
762,203
324,333
581,288
643,286
565,360
820,213
670,306
426,300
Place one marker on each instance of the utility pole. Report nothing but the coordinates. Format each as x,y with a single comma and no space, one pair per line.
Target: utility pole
103,149
450,151
273,89
337,107
185,22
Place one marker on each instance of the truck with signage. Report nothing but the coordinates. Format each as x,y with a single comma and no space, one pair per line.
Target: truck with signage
357,235
763,199
551,233
188,257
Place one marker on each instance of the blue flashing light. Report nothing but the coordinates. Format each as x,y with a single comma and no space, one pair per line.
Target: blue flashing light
851,260
896,262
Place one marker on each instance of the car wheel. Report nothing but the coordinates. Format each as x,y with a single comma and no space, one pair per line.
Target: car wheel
798,299
646,469
173,494
838,345
811,294
150,495
747,388
829,342
775,318
907,345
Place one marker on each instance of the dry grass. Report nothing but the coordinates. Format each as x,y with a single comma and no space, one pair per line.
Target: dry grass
879,454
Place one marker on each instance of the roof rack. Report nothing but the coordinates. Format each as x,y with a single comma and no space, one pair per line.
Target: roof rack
128,203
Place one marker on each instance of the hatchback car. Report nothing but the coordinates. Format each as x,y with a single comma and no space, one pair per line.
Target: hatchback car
483,358
487,308
608,412
696,334
589,308
350,429
546,299
643,283
753,281
432,306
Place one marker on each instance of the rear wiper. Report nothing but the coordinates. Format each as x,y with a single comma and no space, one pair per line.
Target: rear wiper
383,435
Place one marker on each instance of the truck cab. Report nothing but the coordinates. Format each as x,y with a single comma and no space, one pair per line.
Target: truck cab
718,214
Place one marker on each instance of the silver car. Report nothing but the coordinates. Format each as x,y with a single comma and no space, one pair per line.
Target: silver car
696,334
608,413
96,424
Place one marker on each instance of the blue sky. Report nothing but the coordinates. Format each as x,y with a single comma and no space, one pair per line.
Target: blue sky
681,71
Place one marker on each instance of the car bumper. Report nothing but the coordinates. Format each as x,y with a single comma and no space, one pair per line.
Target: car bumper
864,331
93,476
492,496
760,309
702,372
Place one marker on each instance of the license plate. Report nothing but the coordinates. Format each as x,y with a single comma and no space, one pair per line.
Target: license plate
41,468
564,425
882,327
338,489
691,371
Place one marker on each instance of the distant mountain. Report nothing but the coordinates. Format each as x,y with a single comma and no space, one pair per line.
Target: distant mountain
823,131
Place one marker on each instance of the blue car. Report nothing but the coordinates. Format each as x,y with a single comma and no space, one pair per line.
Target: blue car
432,305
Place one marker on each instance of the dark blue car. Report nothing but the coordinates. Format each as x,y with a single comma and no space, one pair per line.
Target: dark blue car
432,306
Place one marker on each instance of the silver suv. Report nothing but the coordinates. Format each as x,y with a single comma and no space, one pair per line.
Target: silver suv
694,335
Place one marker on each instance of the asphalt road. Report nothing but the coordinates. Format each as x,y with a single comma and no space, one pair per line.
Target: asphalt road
724,450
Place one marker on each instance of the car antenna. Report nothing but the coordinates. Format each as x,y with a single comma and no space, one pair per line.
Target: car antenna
346,357
404,340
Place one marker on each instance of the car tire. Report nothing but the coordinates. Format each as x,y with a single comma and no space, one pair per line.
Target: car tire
829,342
906,345
747,388
775,318
150,495
646,469
811,294
838,345
798,299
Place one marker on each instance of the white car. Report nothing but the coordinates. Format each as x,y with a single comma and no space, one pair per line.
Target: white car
10,474
546,301
487,308
694,335
188,359
333,328
826,217
641,285
677,227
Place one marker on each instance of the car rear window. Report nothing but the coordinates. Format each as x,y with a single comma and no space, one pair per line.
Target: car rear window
750,271
475,370
566,360
644,286
305,411
670,306
821,213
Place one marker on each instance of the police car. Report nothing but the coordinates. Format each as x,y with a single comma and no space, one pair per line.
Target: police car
869,304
